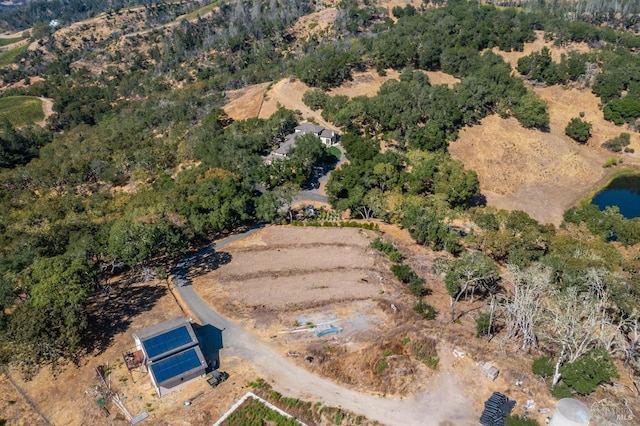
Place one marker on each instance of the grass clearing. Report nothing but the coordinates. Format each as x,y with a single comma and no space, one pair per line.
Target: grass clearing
9,57
201,11
21,110
254,412
8,41
335,151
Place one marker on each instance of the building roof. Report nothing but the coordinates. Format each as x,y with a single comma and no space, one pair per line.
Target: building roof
326,133
286,146
177,365
166,338
309,128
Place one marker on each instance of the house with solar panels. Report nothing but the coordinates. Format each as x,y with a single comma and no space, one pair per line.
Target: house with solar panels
170,353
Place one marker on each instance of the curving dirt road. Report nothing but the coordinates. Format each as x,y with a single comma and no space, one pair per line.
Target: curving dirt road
443,401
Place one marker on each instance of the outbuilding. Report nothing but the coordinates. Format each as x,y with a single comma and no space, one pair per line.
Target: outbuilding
171,354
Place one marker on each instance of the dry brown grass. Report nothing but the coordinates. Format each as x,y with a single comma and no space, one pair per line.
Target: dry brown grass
542,173
69,398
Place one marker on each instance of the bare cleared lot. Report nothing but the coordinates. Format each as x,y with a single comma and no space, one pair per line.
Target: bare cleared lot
357,326
297,267
540,173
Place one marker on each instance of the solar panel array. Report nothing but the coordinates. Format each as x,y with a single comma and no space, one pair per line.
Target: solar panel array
175,365
168,341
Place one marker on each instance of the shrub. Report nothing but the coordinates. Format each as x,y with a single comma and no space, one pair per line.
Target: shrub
387,248
616,144
425,351
561,390
578,130
381,366
425,310
483,324
542,366
613,161
587,372
405,274
515,420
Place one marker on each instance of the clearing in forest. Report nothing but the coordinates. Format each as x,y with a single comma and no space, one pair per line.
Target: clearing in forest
22,110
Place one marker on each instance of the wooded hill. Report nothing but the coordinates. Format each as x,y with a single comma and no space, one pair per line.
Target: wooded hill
139,164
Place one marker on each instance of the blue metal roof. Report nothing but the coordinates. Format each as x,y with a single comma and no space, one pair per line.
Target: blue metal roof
167,342
175,365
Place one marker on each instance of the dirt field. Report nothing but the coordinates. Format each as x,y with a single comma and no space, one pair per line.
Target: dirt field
246,102
288,93
291,264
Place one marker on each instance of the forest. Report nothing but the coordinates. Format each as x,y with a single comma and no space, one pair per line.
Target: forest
139,164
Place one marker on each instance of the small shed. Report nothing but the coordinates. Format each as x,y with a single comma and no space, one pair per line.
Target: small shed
171,353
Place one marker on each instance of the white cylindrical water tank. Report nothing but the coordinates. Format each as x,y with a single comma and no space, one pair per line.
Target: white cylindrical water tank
570,412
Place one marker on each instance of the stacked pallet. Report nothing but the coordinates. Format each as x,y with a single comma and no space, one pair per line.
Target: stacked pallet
496,409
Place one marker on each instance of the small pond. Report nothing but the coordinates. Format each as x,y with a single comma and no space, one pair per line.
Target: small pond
623,192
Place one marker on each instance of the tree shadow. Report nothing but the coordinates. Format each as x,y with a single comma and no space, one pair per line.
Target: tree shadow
111,312
199,263
208,262
210,341
479,200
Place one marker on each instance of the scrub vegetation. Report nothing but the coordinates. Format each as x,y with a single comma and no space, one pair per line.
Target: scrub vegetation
139,164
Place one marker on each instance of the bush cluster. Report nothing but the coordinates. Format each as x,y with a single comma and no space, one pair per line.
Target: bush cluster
405,274
618,143
387,248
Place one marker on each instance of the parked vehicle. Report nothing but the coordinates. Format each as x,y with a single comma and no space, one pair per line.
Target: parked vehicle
217,377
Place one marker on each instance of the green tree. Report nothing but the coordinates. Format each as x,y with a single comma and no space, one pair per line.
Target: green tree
427,228
276,204
623,110
531,111
578,130
587,372
52,322
315,99
473,271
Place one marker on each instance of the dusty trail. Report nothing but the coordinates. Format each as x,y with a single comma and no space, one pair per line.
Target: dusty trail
47,109
440,401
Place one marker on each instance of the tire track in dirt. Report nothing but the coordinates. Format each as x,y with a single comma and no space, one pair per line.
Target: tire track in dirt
27,399
274,274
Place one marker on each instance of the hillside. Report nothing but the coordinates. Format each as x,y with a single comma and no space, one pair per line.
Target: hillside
140,181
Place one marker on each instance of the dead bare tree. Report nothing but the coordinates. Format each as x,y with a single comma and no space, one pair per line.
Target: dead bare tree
523,309
577,321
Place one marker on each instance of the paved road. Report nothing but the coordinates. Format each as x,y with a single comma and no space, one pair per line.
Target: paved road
442,400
